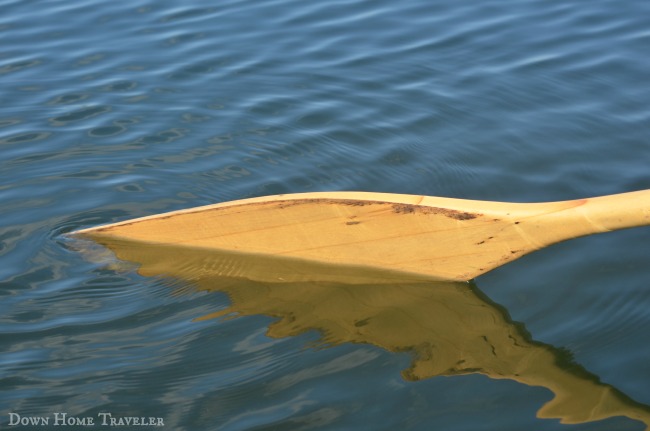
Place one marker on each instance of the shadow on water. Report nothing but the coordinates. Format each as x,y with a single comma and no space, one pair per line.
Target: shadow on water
449,328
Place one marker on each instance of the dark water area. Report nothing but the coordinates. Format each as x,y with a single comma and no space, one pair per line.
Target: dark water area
115,110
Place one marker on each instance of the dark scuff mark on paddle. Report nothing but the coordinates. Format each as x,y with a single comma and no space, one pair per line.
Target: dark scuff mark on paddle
360,323
399,208
348,202
455,214
484,241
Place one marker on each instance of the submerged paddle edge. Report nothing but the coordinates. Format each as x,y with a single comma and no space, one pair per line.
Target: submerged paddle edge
151,259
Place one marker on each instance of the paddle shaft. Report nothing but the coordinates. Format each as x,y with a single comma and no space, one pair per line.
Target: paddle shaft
597,215
619,211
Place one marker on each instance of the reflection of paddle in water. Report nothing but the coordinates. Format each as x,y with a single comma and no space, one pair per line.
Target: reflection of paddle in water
449,328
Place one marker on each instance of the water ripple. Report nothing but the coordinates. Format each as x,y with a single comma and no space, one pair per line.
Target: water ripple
114,110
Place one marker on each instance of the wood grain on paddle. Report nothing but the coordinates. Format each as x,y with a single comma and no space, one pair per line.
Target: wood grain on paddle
442,238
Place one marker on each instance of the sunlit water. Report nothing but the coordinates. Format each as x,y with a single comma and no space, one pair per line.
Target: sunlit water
113,110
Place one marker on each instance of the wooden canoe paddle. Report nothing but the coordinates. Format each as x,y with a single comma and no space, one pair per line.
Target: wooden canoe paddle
439,238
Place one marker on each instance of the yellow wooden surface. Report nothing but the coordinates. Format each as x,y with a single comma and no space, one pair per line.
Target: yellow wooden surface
443,238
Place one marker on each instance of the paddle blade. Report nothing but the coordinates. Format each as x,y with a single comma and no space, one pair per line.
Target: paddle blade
441,238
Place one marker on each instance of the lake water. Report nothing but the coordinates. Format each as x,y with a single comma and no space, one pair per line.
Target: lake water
114,110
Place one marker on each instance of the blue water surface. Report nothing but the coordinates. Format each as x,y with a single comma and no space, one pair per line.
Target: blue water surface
114,110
